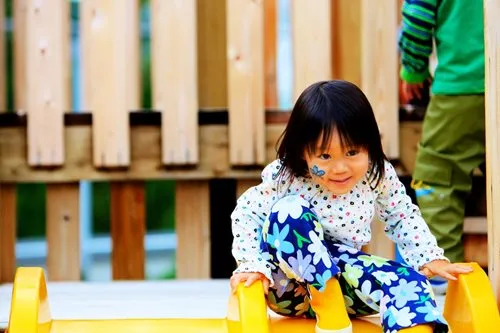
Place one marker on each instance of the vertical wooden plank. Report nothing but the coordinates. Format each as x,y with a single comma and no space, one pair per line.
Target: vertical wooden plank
63,232
174,76
47,60
110,62
346,31
270,49
212,50
2,58
192,218
379,68
492,98
128,228
312,43
19,9
245,52
8,228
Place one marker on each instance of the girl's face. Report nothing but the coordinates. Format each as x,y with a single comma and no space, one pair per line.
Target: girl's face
337,169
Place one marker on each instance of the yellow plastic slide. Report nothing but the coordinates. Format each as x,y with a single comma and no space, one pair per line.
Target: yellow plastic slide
470,307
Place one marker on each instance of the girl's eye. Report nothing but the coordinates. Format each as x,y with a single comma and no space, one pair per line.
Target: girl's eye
324,156
352,153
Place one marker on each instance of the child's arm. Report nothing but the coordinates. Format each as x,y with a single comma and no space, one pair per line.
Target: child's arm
415,39
404,224
252,209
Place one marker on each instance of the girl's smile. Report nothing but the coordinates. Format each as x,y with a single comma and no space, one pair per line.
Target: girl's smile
337,168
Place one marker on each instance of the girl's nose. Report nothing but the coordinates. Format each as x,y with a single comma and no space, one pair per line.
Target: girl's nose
338,167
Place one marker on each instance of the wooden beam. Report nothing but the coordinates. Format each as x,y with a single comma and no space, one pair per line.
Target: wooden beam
128,227
492,99
245,52
379,67
8,227
47,66
212,53
192,216
312,43
110,62
270,50
19,9
174,76
146,160
63,232
346,36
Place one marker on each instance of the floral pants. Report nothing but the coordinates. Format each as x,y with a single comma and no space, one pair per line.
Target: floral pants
293,244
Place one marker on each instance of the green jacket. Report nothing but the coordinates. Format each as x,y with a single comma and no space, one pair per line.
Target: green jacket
457,28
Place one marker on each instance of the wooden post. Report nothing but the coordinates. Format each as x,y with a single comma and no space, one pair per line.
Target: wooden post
192,211
245,57
174,75
492,99
379,68
47,68
7,232
128,227
346,35
110,62
312,43
19,15
270,49
63,232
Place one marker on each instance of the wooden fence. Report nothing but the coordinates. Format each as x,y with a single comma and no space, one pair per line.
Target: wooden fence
215,110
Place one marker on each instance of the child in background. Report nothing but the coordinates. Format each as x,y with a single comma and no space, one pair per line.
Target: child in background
453,132
301,230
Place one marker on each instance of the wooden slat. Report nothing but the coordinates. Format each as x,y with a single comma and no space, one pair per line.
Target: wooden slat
270,49
8,227
20,15
47,61
245,52
492,75
192,219
379,67
63,232
128,225
346,35
312,43
146,156
3,75
110,63
174,76
212,53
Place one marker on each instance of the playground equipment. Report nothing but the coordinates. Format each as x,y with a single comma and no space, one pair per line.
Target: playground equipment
470,307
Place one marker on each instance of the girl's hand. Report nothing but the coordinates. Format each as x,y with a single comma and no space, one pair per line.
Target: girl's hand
444,269
250,278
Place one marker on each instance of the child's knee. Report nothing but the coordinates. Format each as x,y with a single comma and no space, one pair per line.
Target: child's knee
293,210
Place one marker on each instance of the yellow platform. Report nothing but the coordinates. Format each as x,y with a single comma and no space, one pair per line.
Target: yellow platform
470,307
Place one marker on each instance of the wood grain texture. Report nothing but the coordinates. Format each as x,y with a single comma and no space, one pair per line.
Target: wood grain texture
128,227
63,232
8,227
175,75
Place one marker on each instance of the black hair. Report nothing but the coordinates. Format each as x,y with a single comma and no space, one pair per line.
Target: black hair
322,108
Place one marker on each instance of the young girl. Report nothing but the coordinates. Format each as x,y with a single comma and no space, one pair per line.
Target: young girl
301,230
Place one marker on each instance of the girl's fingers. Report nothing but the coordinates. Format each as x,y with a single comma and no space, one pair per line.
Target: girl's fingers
235,280
265,283
445,274
251,280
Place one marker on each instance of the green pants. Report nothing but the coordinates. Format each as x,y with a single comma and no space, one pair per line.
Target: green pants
451,147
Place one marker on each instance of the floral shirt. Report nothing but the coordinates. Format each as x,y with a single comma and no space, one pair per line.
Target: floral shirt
345,218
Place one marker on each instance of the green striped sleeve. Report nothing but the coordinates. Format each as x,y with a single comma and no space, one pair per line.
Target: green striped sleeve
415,39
